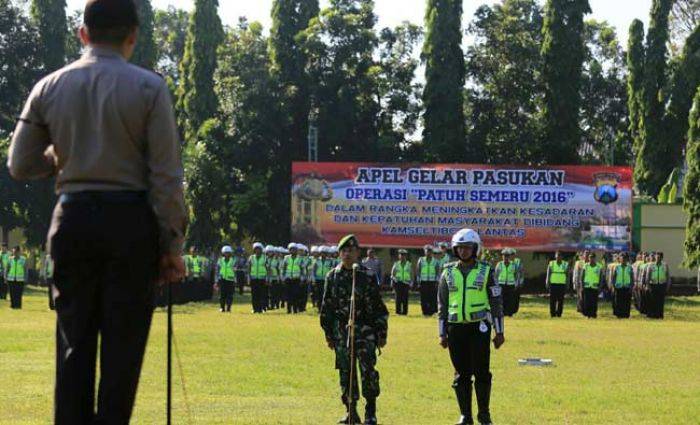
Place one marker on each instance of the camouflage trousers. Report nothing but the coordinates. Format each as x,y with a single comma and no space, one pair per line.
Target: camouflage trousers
366,359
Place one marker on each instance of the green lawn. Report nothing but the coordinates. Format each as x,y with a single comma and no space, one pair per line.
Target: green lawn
275,369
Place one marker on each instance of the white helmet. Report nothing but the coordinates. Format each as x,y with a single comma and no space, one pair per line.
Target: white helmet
465,237
257,245
292,245
269,249
302,247
315,250
227,249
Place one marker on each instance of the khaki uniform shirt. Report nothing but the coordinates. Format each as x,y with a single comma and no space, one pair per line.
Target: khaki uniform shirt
105,125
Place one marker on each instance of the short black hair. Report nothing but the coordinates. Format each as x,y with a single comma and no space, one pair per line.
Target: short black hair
110,21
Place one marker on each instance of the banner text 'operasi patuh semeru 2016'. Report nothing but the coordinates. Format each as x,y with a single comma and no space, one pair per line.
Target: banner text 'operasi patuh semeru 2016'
402,205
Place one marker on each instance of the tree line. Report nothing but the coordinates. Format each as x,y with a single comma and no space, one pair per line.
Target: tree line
538,83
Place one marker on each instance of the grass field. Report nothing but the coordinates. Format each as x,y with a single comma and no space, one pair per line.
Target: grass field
275,369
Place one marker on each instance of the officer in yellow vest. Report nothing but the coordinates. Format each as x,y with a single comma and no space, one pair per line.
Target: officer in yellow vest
637,269
620,283
46,275
508,275
469,304
557,282
193,272
4,259
257,278
320,267
305,276
591,278
658,282
15,276
427,273
226,278
292,272
402,281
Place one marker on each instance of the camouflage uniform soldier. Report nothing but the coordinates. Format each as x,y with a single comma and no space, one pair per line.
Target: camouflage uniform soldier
371,320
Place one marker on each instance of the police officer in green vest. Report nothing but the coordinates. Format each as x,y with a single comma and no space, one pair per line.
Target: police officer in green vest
470,304
46,275
257,278
193,275
320,267
658,282
4,260
15,276
427,273
402,281
620,285
226,278
292,273
507,274
556,282
591,278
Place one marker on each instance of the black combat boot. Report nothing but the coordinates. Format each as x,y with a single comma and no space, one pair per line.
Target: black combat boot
371,412
483,397
464,399
352,417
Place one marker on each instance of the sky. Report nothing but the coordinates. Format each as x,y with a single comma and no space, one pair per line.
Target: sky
619,13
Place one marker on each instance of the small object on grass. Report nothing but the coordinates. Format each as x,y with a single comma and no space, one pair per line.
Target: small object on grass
535,362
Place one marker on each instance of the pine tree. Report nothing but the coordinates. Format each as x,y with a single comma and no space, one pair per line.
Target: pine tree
444,134
289,18
49,16
649,177
288,66
196,100
145,51
691,191
635,77
563,55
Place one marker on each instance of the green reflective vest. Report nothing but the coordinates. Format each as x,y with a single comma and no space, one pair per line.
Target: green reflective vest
258,266
591,276
657,274
273,266
506,274
292,267
403,272
468,298
48,267
623,276
226,268
428,269
16,269
319,267
197,266
558,272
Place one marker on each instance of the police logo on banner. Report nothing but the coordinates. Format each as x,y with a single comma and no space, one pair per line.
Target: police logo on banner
606,187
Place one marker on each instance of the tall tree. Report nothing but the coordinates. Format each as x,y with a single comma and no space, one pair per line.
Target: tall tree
635,78
50,18
648,175
289,61
685,81
444,136
145,54
73,45
604,113
340,44
685,17
563,55
505,84
170,33
691,191
288,65
196,100
398,92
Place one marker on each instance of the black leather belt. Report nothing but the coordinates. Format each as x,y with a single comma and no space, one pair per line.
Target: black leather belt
112,197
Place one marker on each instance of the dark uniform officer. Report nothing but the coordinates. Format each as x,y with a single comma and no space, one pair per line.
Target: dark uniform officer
469,304
591,277
371,321
106,130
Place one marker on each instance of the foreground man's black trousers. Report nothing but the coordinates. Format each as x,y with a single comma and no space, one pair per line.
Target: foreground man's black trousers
106,258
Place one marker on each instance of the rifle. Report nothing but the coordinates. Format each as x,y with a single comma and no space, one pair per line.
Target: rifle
351,344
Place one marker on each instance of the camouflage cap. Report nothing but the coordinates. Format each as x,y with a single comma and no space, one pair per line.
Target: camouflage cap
349,241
